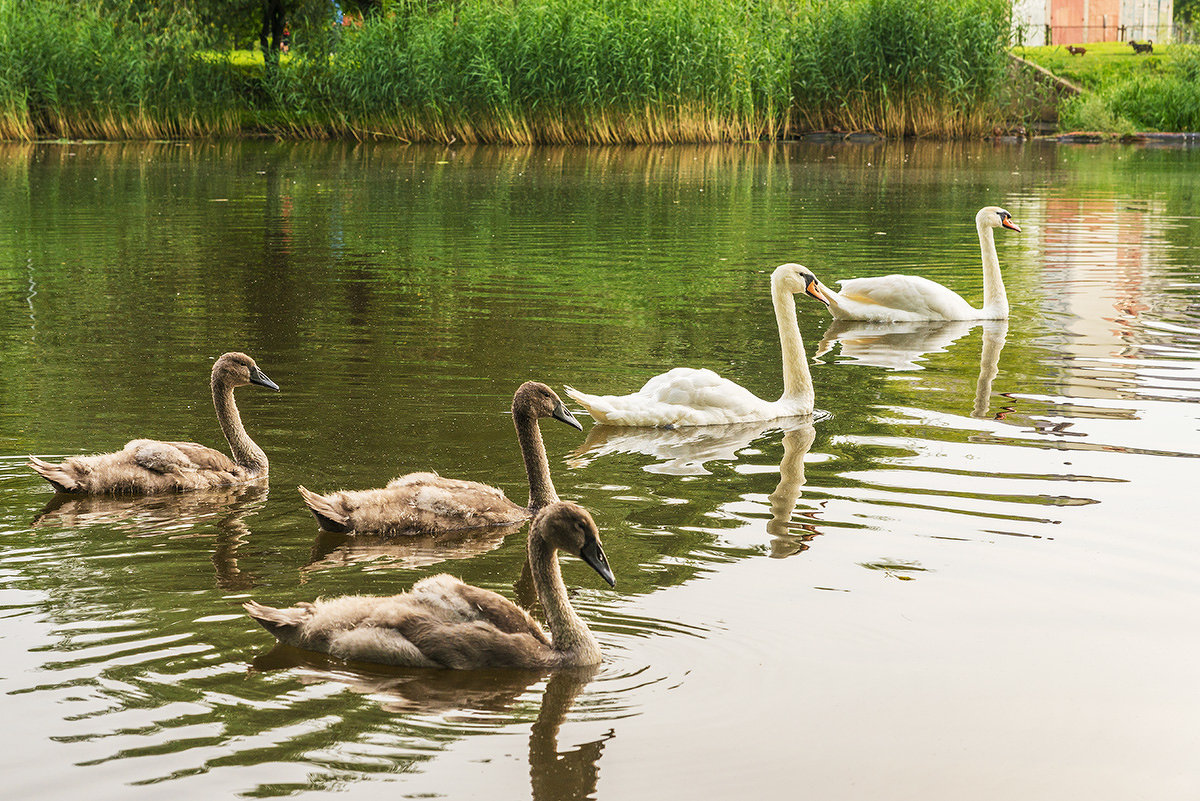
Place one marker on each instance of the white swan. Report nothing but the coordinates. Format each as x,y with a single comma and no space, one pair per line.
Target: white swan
897,298
689,397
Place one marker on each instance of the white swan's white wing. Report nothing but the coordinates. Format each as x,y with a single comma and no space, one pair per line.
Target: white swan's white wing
679,397
903,297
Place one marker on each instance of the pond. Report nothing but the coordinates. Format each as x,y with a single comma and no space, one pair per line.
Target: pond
973,575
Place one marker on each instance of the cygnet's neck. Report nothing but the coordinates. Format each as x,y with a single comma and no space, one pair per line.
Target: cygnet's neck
245,451
537,466
797,380
995,301
570,636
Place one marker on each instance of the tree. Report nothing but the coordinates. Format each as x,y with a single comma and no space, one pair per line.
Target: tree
1187,11
272,25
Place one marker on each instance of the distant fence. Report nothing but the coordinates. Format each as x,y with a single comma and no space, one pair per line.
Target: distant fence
1082,34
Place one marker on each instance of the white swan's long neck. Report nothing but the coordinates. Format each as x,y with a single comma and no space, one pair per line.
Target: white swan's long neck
797,381
537,466
571,636
995,301
245,452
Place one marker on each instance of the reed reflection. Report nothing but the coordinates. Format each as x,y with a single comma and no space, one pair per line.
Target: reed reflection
554,774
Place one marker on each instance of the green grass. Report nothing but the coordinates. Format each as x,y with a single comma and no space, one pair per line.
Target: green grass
1103,63
1127,92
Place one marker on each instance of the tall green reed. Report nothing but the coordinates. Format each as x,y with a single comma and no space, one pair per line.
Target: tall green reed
900,67
70,69
1168,101
600,71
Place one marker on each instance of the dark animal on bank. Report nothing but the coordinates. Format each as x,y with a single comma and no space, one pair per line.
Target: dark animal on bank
1076,51
1148,47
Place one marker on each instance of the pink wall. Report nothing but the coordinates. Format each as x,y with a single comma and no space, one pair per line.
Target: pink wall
1069,25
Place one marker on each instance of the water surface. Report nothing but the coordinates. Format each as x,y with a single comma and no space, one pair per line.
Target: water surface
974,575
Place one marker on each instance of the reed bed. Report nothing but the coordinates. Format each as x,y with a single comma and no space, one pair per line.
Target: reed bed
535,71
1166,101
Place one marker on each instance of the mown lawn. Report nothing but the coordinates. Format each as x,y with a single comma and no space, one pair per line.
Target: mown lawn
1104,63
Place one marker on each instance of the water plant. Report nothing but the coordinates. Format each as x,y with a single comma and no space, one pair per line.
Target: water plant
72,69
598,71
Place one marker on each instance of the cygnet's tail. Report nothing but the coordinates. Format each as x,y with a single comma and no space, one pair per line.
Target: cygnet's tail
56,474
283,623
329,517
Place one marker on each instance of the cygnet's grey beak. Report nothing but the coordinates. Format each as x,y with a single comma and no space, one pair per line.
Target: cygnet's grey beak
593,554
259,377
563,414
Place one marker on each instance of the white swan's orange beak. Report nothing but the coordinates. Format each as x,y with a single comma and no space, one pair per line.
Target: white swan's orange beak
814,289
1007,222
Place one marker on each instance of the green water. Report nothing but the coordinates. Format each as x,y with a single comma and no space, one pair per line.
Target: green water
974,576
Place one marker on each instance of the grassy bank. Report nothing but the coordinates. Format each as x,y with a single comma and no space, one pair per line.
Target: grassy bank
1127,92
597,71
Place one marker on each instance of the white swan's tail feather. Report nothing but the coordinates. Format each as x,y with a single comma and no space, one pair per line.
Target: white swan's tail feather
593,403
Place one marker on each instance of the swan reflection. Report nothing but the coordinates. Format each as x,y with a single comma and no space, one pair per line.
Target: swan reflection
995,332
900,346
682,451
553,773
151,514
172,514
685,451
332,550
788,538
895,346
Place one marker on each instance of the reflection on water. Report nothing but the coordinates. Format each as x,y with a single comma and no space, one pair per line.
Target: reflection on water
172,514
375,552
554,774
683,451
895,346
994,334
686,450
788,538
983,512
152,515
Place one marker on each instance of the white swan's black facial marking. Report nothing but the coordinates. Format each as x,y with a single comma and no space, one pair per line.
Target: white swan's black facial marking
813,288
1007,221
